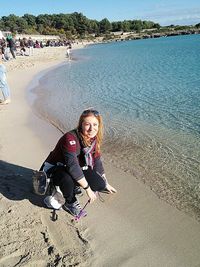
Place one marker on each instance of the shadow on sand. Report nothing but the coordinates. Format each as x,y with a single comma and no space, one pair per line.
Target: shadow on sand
16,183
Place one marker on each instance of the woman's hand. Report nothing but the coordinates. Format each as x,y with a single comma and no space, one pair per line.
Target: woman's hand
110,189
84,184
91,194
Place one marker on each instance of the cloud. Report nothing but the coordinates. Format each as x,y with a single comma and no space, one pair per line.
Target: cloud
174,16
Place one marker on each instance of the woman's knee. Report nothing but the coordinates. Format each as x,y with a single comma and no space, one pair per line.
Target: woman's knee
100,185
61,177
95,181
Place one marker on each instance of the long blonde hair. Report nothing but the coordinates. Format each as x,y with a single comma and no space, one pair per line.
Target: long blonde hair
99,136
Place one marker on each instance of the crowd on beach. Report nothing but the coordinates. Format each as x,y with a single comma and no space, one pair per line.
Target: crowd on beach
10,48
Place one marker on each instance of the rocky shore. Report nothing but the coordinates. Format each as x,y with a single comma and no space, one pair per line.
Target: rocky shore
123,36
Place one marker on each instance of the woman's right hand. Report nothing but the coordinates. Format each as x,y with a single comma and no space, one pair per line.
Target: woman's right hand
91,194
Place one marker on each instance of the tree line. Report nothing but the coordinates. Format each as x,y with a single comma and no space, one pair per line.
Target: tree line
75,24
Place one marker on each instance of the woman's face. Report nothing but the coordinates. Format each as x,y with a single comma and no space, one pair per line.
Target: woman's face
90,126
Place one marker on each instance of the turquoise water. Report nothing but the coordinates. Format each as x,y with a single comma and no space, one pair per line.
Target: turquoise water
148,92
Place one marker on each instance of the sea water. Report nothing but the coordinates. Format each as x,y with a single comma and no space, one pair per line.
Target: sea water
148,92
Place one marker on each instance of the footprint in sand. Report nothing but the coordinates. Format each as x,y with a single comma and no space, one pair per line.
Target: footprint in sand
64,239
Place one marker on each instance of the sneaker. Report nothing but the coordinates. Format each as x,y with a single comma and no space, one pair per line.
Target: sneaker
54,202
73,208
7,101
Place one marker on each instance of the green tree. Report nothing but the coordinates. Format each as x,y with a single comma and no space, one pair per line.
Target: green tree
136,25
10,23
70,24
40,28
116,26
126,26
1,25
30,19
197,25
93,27
81,23
157,26
22,25
45,20
105,26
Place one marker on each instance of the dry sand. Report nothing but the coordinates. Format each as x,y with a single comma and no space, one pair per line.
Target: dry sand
131,228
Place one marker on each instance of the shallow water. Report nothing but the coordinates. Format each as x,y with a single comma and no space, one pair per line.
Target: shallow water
148,92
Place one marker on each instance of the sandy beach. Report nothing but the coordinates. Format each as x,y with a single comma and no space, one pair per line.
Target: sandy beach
132,228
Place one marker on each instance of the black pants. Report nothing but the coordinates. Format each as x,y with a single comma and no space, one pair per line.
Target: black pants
67,184
12,51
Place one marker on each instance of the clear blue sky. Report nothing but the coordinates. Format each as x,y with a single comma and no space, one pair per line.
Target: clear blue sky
165,12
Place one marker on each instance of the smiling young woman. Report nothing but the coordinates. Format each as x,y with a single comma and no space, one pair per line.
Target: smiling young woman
76,161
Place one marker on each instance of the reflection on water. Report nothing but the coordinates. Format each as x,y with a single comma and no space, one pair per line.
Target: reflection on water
166,161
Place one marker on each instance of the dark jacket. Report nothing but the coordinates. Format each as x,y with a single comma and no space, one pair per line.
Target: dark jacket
69,152
11,42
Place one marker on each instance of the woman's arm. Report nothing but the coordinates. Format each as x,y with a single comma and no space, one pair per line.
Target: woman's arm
110,188
69,146
72,164
83,183
98,167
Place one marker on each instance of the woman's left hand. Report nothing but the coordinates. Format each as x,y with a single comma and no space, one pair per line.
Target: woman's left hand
111,189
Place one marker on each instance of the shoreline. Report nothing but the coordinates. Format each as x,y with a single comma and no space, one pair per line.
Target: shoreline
153,232
165,181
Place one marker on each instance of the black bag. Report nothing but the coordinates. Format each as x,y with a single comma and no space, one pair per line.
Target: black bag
40,182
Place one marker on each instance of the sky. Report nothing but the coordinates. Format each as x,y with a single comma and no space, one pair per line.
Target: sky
164,12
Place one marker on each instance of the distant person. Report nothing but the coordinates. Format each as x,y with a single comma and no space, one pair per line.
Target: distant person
3,83
68,52
76,161
48,43
22,44
30,44
11,45
41,44
4,49
37,44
